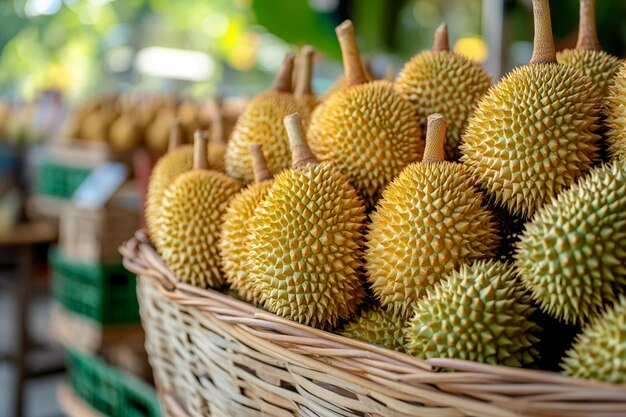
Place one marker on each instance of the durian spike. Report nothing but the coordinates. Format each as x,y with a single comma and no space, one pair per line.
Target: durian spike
543,42
283,82
200,160
587,33
301,154
259,164
440,40
352,64
305,74
435,139
218,136
175,136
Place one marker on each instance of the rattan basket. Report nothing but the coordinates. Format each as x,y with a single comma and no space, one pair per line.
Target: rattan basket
213,355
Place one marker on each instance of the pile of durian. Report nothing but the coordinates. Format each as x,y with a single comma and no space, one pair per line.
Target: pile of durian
436,214
128,122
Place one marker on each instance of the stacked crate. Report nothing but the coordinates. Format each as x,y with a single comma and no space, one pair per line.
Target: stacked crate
95,312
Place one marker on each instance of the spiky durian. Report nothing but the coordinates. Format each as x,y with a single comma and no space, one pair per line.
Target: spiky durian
234,237
261,122
440,81
479,313
190,221
303,91
367,129
600,350
179,159
429,221
588,56
305,240
378,327
572,256
532,134
616,115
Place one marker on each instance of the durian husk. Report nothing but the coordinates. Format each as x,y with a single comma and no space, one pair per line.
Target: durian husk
598,352
234,239
190,220
446,83
478,313
429,222
165,171
125,134
378,327
598,65
262,122
533,135
616,115
370,133
305,246
572,254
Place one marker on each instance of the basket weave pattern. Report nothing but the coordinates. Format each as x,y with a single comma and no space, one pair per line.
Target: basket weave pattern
222,357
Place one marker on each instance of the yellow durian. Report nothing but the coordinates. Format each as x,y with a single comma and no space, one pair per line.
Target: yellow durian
305,240
367,129
190,220
234,237
261,122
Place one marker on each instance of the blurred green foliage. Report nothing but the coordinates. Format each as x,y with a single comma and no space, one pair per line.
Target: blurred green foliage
86,46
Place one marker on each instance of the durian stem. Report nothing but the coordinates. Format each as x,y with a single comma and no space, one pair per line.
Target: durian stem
301,154
440,40
305,75
218,136
435,139
543,43
259,164
352,64
587,33
282,82
175,136
200,160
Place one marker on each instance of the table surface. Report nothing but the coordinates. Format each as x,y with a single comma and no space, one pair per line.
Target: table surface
40,231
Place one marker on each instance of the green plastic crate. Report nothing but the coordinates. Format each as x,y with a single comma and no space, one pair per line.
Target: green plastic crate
112,392
58,180
105,293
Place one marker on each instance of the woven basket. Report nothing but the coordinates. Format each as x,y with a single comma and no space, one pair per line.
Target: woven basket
213,355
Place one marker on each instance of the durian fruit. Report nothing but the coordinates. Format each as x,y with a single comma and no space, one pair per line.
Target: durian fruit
533,133
178,160
479,313
600,350
261,122
588,56
96,125
157,133
616,115
234,238
125,133
428,222
572,256
190,220
303,91
219,142
440,81
367,130
305,240
378,327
